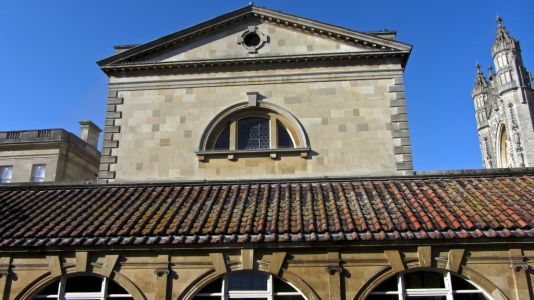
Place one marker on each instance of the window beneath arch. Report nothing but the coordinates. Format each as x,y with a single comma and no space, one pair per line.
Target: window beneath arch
83,287
426,285
248,285
253,131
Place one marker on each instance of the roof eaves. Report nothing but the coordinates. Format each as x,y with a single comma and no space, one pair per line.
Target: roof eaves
447,174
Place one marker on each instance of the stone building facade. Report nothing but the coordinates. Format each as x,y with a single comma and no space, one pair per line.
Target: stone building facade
504,106
338,93
267,107
49,155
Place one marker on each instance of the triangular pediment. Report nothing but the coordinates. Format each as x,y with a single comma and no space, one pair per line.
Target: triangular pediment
281,35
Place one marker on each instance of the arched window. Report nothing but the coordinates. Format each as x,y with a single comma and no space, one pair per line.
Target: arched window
244,129
83,287
504,149
253,129
428,285
248,285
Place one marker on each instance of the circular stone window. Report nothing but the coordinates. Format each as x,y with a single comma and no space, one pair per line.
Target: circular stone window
252,40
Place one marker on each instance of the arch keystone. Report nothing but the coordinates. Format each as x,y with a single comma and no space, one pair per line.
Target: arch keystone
277,260
218,262
454,260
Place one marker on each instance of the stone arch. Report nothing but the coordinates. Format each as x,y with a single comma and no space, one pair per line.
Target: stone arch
199,284
294,280
48,278
483,283
299,283
466,273
287,118
373,282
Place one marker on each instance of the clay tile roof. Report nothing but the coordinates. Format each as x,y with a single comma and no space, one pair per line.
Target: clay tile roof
448,207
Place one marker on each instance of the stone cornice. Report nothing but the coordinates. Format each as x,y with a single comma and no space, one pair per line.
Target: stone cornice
247,78
46,139
282,61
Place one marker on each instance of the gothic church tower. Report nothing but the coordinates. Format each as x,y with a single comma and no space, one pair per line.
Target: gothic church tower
504,103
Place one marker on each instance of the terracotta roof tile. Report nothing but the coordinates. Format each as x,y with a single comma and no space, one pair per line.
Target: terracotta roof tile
411,208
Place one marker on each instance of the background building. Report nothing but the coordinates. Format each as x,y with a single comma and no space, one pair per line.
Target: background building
49,155
504,106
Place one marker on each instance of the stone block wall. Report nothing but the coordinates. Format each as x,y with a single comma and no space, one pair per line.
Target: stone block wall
355,119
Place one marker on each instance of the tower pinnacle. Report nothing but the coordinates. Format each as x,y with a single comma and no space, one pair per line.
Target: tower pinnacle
502,34
480,79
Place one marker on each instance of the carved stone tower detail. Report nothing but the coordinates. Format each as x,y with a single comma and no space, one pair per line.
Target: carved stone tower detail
504,106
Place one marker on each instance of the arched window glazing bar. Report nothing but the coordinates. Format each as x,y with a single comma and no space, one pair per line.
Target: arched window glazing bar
249,285
426,284
83,287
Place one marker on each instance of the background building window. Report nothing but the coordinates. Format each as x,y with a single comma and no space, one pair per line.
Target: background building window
426,285
83,287
249,285
38,173
6,173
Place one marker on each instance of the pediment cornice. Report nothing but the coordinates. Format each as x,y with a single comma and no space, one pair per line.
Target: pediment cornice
135,55
273,61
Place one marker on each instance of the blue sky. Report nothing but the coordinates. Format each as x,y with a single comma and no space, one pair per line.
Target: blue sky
49,77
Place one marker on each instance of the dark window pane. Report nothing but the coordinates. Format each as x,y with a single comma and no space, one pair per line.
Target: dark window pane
51,289
419,280
206,297
120,298
214,287
284,139
247,281
281,286
388,285
115,288
251,40
223,141
83,284
469,297
253,133
461,284
428,298
382,297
